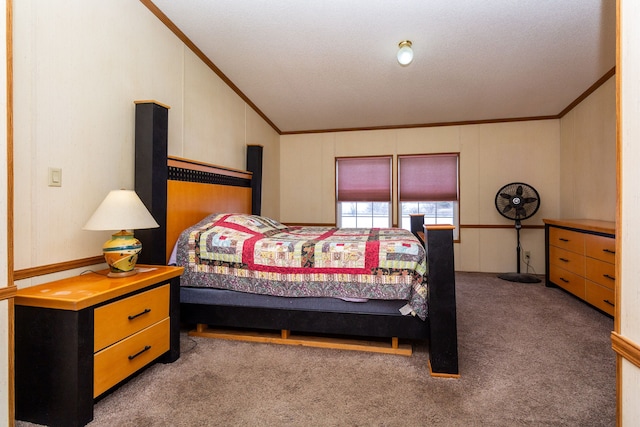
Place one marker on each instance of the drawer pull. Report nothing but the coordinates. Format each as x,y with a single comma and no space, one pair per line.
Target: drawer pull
609,251
609,302
133,356
564,240
563,259
564,280
609,277
133,316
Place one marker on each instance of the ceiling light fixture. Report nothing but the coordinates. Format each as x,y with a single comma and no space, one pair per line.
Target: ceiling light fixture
405,53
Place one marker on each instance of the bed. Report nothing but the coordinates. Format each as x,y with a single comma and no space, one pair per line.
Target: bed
258,255
183,193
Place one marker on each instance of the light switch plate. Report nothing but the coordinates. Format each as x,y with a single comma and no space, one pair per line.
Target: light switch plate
55,177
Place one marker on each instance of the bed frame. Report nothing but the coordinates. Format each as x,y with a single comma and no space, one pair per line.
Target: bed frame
180,192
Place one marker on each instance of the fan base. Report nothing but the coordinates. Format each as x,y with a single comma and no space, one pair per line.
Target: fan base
519,277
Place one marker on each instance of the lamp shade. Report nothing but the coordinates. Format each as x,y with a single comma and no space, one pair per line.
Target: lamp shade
121,210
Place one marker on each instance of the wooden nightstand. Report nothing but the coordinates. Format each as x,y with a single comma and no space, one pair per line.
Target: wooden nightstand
79,337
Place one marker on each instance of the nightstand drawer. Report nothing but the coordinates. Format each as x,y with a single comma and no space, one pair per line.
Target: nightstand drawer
601,272
567,280
601,297
601,247
567,239
115,363
120,319
566,260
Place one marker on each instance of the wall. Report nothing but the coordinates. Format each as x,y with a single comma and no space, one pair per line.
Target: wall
79,68
74,110
628,321
588,157
6,304
571,163
491,155
5,410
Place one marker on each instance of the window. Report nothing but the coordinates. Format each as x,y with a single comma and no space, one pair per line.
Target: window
363,191
429,184
363,214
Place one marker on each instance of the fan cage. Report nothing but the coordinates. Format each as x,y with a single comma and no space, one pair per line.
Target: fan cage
517,201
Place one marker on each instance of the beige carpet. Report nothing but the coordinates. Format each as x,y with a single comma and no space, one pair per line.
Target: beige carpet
529,356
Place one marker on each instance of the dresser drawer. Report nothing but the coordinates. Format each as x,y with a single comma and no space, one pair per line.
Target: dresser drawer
567,280
603,273
566,260
117,362
601,247
601,297
566,239
120,319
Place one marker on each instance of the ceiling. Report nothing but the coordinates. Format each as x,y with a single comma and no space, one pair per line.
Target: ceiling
331,64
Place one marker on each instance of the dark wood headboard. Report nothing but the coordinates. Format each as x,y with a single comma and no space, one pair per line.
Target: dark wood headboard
178,192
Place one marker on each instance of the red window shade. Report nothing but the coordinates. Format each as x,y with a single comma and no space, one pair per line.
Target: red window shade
429,178
363,179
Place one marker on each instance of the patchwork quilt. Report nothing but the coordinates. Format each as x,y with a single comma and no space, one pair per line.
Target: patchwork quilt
256,254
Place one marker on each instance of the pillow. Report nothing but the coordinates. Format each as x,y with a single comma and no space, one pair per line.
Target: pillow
258,224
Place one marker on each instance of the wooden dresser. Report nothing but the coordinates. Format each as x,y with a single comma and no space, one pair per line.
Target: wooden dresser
580,258
77,338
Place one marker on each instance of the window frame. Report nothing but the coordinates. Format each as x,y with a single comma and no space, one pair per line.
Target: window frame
456,202
338,201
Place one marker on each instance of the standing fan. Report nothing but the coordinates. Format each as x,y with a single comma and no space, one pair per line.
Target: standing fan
518,201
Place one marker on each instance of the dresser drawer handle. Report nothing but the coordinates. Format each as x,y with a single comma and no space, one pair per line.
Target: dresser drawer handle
563,239
609,251
133,356
133,316
563,259
610,303
564,280
609,277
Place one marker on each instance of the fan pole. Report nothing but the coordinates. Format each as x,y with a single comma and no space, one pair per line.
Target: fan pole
518,277
518,227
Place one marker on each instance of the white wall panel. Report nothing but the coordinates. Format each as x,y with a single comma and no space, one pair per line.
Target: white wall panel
5,321
260,132
4,363
588,157
518,152
81,65
79,69
214,129
629,237
470,186
306,179
630,393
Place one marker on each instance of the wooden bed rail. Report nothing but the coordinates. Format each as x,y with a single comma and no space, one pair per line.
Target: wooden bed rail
285,337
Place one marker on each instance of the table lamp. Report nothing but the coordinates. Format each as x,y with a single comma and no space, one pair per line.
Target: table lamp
121,210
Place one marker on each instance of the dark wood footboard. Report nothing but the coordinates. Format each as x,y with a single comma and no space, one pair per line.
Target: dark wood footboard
443,330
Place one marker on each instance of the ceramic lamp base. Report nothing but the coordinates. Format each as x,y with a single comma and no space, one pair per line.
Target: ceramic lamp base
121,254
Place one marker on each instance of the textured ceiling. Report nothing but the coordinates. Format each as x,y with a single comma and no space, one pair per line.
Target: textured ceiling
331,64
